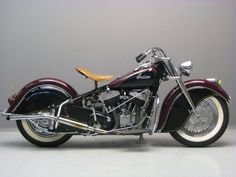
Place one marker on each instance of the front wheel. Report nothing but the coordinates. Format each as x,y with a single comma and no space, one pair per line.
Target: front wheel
209,127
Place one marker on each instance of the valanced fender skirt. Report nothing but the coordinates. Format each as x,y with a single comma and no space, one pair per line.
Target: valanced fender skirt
25,93
174,110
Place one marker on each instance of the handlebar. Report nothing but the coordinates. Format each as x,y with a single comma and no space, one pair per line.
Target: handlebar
151,51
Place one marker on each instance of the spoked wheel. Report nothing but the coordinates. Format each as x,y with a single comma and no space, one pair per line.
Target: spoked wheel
33,131
209,127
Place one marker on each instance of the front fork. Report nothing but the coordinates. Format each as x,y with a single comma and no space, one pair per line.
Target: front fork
180,83
154,117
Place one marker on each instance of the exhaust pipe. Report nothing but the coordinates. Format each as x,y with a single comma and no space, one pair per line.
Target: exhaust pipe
76,124
62,120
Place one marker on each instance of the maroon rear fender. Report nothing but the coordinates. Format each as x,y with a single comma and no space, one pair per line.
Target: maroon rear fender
16,98
190,85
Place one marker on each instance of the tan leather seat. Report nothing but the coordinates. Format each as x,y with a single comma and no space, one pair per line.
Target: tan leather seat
95,77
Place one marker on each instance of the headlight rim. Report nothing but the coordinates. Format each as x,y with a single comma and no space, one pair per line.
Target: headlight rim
186,68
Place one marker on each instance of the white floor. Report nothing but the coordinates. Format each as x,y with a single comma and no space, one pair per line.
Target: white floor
115,156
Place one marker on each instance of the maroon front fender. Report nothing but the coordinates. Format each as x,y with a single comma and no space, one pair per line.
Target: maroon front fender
190,84
15,99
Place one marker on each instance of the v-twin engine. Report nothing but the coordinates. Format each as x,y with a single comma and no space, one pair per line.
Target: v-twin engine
127,108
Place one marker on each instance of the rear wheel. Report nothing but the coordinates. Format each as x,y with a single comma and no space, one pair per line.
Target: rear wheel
209,127
32,131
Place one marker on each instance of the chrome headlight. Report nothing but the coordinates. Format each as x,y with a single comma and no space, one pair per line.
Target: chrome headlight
186,68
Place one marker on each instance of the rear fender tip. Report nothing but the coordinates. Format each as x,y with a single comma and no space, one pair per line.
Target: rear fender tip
11,99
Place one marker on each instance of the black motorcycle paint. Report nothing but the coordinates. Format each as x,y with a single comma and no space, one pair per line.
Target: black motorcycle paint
40,98
138,79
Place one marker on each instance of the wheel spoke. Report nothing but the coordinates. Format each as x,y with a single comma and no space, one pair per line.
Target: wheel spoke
197,127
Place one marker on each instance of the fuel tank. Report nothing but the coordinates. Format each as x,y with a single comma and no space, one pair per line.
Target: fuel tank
138,78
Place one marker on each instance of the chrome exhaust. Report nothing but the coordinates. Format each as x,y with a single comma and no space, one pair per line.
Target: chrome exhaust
62,120
79,125
11,116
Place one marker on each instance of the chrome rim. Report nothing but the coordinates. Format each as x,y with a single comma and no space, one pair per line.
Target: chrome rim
207,125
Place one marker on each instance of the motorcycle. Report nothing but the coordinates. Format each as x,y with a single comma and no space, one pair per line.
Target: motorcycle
48,111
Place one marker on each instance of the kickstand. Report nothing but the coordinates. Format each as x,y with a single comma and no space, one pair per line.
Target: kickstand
141,139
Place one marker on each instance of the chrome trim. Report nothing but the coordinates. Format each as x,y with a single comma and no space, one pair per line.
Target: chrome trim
173,77
143,65
117,131
62,104
212,80
165,58
13,116
59,111
2,113
154,118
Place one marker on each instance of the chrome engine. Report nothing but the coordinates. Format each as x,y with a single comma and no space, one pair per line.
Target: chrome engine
127,107
124,108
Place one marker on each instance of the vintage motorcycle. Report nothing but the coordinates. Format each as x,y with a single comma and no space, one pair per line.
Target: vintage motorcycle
49,111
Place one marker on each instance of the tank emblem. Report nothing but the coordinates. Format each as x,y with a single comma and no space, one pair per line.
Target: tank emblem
139,76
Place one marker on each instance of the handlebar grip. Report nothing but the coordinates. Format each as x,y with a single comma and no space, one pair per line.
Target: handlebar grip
140,57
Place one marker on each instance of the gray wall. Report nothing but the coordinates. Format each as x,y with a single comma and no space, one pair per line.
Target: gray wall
50,38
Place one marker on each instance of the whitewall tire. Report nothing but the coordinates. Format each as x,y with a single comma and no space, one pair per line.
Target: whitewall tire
206,129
